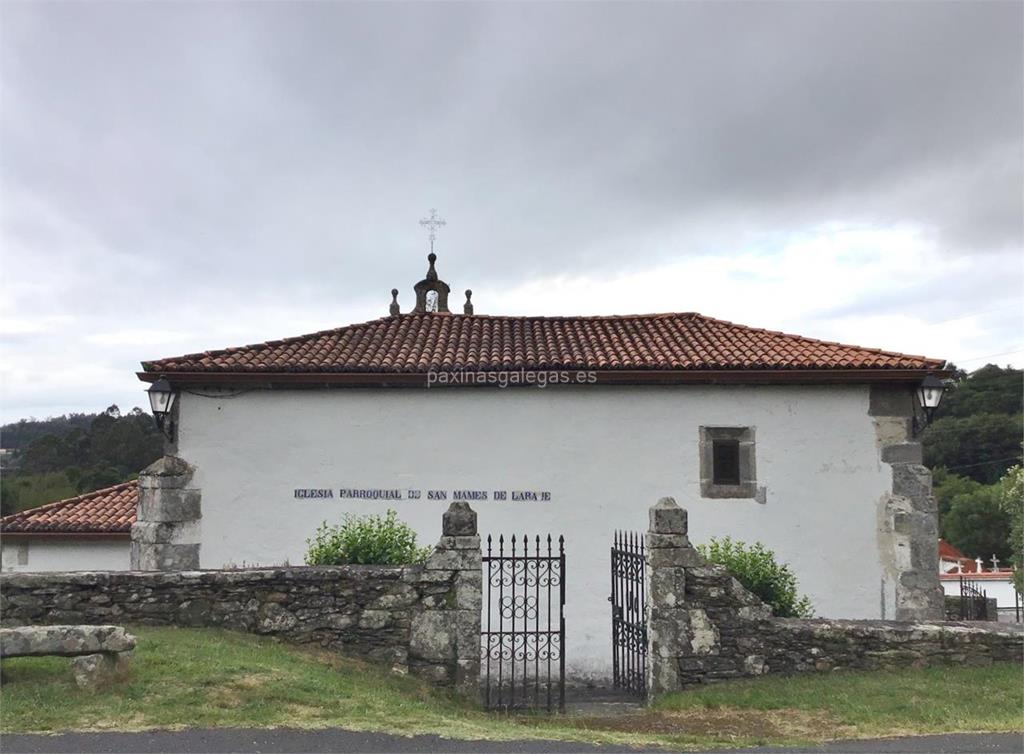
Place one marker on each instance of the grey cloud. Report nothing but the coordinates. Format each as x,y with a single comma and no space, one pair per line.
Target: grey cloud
253,152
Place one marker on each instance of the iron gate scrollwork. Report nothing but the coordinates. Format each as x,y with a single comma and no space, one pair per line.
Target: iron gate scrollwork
629,613
973,601
523,636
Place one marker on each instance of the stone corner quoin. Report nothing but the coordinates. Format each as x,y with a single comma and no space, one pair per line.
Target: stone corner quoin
908,531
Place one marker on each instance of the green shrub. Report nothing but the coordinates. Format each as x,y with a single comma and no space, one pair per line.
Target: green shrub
1011,498
754,566
365,540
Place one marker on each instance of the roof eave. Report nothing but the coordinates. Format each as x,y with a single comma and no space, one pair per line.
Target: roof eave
68,534
603,377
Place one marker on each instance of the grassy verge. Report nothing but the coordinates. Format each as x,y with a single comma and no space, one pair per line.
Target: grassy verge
935,700
207,678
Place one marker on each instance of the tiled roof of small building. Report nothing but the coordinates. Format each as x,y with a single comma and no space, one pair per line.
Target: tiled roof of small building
107,511
418,343
947,551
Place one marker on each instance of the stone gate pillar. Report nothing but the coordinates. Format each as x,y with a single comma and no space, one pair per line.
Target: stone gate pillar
165,536
669,554
444,641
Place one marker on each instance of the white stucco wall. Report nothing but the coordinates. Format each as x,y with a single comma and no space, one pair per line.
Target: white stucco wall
604,453
64,553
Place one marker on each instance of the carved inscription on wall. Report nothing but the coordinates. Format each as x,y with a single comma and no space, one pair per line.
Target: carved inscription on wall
447,495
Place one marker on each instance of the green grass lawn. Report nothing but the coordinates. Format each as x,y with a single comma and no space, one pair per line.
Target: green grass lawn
935,700
208,678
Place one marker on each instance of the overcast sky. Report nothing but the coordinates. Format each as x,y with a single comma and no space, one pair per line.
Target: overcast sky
182,177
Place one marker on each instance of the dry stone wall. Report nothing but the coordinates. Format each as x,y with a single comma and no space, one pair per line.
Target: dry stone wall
424,619
703,626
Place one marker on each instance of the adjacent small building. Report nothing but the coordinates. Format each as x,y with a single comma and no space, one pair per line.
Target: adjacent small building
91,532
996,582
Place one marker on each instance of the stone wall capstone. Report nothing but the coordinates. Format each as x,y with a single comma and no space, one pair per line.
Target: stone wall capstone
165,535
704,626
422,619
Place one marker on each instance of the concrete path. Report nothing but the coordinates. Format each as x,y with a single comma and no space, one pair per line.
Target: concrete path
287,741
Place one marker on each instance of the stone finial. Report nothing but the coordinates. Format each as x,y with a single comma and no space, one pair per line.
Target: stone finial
167,465
459,520
667,517
467,308
394,303
431,272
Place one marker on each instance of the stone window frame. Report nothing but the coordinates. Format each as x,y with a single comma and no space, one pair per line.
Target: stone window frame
747,488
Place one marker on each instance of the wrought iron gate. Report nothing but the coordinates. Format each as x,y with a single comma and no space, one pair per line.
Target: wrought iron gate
629,613
523,636
973,601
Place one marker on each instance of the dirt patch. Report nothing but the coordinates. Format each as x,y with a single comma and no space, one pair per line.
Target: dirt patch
720,723
239,690
252,680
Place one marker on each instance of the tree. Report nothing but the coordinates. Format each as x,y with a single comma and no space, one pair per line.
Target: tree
18,435
48,453
9,499
945,487
66,455
98,478
989,390
977,427
1011,499
977,523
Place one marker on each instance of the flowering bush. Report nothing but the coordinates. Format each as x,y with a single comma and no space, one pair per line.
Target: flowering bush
365,540
754,566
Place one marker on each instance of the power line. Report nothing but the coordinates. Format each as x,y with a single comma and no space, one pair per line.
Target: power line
975,314
982,463
976,425
986,356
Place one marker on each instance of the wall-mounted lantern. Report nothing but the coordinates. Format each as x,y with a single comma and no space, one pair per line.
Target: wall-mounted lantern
161,401
929,395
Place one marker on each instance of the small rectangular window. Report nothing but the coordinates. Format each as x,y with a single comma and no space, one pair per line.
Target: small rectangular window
726,461
728,468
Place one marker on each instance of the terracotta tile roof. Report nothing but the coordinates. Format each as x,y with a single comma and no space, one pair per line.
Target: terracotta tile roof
948,552
412,343
106,511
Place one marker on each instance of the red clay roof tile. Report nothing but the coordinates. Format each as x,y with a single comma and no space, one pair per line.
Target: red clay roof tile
107,511
411,343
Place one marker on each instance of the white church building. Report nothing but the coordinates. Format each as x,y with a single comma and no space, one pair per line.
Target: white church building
572,426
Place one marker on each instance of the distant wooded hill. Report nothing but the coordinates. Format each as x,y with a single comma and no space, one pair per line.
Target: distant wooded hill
18,435
68,455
